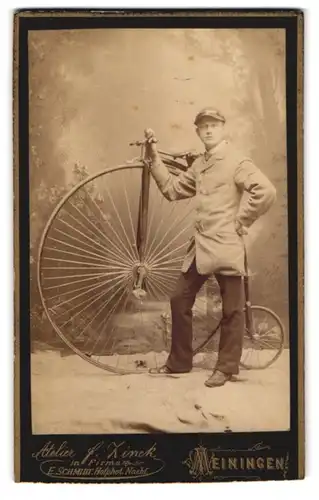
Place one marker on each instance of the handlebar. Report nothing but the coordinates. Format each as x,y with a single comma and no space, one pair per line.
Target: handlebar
184,155
142,143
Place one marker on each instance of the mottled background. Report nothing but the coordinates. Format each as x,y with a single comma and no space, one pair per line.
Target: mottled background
94,91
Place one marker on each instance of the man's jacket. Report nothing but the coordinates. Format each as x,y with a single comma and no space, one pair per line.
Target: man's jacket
218,183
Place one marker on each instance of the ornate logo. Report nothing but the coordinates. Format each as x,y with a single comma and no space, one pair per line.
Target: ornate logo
218,463
103,461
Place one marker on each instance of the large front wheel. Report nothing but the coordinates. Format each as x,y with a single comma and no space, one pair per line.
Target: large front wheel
88,264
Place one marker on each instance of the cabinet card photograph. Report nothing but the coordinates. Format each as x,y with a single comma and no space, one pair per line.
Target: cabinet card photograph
158,246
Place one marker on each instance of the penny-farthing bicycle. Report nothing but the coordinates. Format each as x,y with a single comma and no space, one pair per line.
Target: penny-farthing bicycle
108,260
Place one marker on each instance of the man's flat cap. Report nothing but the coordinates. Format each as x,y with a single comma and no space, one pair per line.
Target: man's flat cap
209,113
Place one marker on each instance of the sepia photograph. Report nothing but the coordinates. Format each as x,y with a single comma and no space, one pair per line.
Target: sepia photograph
158,189
159,238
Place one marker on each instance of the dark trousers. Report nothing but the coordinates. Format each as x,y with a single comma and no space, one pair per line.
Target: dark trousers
232,326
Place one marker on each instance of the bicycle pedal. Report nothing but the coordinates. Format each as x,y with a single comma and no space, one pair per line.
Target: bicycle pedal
139,293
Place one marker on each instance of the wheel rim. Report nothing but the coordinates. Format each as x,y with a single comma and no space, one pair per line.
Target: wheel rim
87,267
268,340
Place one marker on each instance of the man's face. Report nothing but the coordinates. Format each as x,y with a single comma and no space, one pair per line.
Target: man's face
210,131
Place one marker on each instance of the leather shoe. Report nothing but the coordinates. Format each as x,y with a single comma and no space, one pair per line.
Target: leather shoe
163,370
217,379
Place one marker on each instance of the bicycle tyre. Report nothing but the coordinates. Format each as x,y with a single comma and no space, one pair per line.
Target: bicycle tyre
157,245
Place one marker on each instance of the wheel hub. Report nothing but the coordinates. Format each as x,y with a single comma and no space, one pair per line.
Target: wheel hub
140,272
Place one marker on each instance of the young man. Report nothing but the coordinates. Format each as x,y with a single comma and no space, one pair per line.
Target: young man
218,178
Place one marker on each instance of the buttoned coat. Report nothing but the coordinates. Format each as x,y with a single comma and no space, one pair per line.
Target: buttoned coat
218,182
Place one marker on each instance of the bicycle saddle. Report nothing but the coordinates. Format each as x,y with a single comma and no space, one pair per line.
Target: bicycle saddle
188,156
183,154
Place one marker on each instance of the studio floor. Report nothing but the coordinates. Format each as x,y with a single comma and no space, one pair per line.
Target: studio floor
71,396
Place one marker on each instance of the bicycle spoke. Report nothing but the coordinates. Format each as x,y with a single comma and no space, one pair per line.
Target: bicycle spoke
112,348
157,208
131,221
171,261
153,256
163,288
95,316
150,223
105,320
51,249
105,253
168,281
95,234
261,323
104,257
142,324
90,277
103,293
117,362
114,268
150,289
93,287
95,242
90,268
113,344
169,218
265,344
106,303
171,227
121,224
61,294
87,301
98,266
257,352
103,271
164,257
122,250
105,221
248,354
267,332
170,242
162,270
124,309
172,277
162,278
162,293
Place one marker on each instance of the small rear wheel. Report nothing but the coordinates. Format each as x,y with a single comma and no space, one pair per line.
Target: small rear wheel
261,348
266,342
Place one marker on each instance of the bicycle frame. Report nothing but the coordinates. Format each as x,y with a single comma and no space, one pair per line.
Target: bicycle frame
247,306
143,207
138,269
175,167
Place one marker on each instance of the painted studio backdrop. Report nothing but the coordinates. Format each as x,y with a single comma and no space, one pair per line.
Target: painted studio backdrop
92,92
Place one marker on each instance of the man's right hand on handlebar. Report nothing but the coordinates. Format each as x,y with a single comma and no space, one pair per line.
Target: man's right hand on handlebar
151,149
